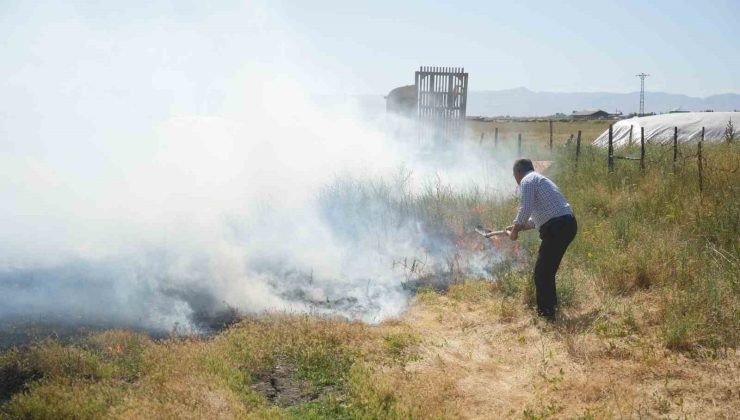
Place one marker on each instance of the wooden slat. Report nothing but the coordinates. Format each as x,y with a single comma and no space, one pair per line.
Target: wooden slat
442,101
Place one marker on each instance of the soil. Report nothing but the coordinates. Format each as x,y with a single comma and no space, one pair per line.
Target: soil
280,386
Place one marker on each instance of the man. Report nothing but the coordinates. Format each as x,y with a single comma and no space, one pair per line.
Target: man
544,207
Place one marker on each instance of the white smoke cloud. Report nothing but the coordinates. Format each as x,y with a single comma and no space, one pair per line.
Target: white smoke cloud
157,168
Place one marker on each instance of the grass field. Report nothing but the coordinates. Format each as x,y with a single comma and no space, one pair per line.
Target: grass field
649,326
536,133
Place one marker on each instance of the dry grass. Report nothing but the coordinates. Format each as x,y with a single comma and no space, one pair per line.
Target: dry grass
521,367
463,354
535,134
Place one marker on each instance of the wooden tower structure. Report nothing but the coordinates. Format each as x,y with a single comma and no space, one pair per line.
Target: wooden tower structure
442,97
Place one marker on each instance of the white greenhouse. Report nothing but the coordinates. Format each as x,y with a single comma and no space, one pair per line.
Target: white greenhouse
659,129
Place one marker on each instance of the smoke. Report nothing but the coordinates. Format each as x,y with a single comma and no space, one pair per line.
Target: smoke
158,171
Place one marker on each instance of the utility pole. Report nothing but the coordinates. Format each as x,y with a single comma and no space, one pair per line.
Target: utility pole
642,77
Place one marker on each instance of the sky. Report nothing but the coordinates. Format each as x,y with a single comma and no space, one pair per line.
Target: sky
355,47
687,47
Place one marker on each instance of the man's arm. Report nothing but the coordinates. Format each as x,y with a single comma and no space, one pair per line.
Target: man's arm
523,221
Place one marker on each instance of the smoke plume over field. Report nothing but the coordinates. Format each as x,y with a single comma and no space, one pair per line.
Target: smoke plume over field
160,170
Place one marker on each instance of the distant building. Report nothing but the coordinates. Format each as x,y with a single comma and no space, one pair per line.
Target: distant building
402,100
591,115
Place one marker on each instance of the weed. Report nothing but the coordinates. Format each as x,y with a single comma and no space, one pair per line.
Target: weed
399,344
655,231
471,291
567,290
427,295
541,412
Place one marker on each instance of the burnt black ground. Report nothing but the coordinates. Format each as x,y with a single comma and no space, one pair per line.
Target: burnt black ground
17,332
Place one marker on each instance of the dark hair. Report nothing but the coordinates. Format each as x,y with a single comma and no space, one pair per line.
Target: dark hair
523,166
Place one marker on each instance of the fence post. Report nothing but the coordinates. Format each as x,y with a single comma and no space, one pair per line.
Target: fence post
610,159
578,146
642,149
675,147
495,137
480,143
550,134
699,162
630,142
519,145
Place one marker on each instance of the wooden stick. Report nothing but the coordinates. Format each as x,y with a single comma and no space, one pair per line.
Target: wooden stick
642,149
610,158
487,233
699,163
675,147
519,145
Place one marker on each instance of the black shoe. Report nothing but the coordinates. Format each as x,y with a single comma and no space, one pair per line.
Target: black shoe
548,315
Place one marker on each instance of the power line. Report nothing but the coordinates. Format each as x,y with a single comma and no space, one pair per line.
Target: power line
642,77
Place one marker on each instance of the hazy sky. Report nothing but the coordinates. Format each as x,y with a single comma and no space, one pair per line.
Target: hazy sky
373,46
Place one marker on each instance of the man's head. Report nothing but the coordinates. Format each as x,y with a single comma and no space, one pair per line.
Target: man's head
521,168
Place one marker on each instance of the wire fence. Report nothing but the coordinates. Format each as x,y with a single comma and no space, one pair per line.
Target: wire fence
678,155
673,152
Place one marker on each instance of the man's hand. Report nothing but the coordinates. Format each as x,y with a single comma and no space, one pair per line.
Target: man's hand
513,232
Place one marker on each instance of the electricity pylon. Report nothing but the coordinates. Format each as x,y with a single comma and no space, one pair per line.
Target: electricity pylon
642,77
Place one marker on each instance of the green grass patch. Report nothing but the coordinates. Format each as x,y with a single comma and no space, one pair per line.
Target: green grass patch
656,231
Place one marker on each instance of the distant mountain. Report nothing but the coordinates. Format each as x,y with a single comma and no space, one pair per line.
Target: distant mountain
522,102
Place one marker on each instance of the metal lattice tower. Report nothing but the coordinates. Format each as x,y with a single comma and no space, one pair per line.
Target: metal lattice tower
642,77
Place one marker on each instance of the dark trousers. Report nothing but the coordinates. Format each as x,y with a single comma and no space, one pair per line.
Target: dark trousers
556,235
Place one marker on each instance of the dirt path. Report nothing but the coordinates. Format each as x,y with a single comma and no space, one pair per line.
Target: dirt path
522,367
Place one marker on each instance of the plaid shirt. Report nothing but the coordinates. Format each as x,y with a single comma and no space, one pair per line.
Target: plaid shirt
541,201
